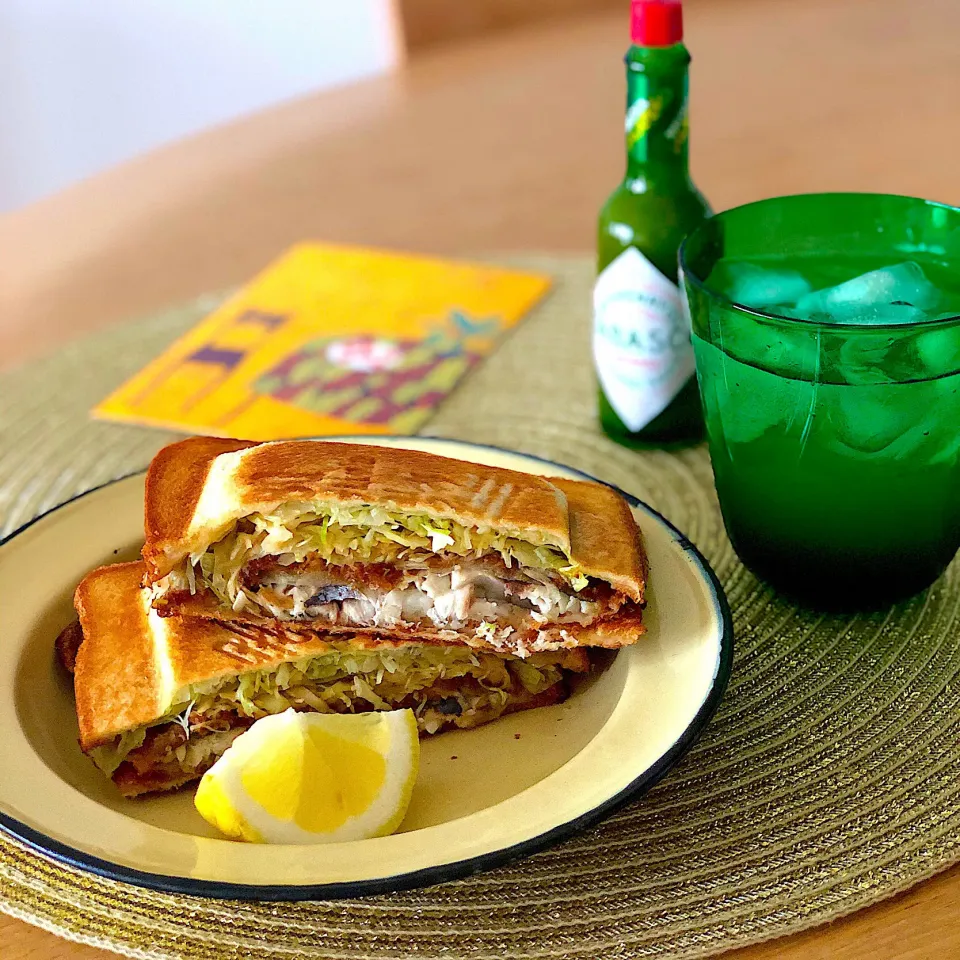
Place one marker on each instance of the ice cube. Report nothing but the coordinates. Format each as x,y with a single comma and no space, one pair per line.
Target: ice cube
787,350
793,312
861,360
757,287
901,285
880,313
745,401
938,352
865,356
934,439
899,421
869,418
946,403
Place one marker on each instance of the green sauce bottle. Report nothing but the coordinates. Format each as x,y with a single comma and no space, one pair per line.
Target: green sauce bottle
641,334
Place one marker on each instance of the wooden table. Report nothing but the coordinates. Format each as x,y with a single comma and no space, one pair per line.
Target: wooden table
510,143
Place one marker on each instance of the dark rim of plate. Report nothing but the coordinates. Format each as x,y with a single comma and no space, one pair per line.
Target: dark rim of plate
442,872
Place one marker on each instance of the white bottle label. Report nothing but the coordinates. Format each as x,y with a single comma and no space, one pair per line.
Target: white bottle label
641,338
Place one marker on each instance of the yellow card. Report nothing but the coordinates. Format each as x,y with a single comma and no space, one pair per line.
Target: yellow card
329,340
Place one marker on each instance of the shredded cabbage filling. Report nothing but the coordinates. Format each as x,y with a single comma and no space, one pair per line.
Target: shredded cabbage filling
345,535
351,680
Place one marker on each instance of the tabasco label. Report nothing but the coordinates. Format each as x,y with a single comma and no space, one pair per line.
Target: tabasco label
641,338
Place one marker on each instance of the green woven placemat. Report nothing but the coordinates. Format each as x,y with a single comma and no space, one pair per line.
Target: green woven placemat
827,781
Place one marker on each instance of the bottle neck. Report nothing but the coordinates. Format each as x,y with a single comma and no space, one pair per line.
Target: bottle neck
656,122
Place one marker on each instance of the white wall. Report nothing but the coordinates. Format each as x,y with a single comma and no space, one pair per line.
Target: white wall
87,83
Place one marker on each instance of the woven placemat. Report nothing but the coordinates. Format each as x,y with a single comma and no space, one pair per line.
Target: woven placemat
827,780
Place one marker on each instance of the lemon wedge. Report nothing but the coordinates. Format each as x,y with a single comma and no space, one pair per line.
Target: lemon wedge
314,778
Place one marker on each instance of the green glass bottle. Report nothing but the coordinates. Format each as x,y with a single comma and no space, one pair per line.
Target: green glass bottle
641,335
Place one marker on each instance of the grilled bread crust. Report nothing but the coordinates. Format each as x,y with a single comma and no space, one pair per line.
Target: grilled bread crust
197,490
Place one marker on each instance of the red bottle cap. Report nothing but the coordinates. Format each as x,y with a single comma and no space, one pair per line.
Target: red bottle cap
656,23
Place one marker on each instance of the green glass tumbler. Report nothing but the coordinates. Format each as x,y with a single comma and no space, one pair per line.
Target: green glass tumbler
835,444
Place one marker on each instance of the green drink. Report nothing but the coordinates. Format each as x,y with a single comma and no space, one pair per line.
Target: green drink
641,342
833,415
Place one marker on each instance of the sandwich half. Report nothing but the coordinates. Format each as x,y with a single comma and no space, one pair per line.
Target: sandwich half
159,699
356,538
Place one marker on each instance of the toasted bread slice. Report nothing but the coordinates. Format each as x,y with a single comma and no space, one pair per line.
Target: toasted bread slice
604,538
198,489
118,674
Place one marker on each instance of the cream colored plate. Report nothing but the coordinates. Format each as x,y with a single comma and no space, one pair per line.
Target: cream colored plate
482,797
